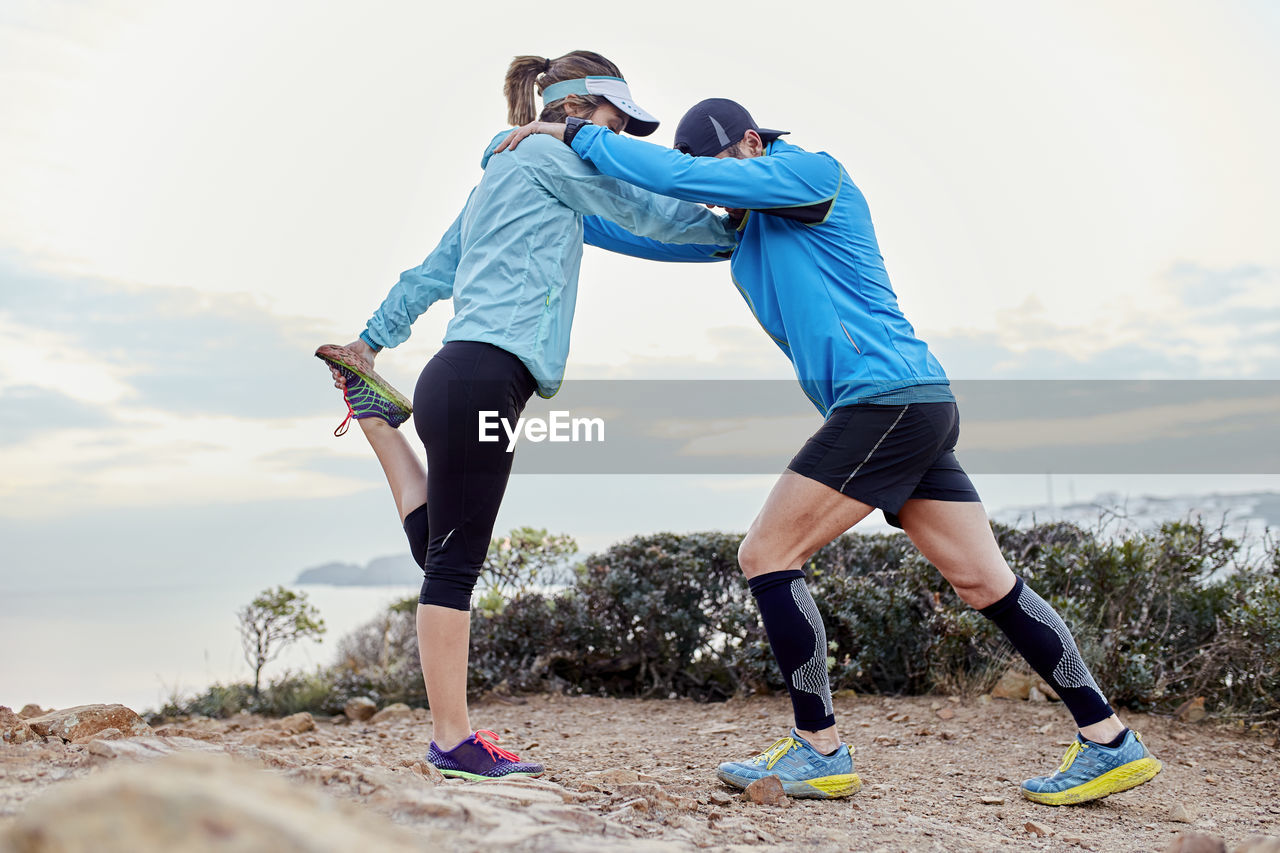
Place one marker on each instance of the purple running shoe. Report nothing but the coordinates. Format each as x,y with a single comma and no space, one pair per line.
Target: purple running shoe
368,395
480,759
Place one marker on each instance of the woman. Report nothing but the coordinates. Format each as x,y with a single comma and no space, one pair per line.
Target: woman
510,261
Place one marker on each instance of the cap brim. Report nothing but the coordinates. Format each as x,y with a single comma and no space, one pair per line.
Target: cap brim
769,135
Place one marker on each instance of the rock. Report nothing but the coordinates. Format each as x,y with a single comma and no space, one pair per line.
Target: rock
945,714
1036,829
146,748
428,771
266,738
201,803
984,699
1258,844
73,723
105,734
392,713
1181,814
32,710
991,801
1034,695
1192,710
719,798
14,729
1196,842
722,729
296,724
766,791
619,776
1049,692
360,709
1013,685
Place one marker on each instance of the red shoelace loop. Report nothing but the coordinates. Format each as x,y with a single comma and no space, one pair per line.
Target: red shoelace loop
495,751
342,427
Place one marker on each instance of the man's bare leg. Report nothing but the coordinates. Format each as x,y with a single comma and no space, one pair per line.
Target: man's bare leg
956,538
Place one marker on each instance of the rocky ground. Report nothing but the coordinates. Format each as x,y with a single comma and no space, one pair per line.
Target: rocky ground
939,774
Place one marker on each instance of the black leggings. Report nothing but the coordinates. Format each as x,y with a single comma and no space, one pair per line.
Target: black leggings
466,478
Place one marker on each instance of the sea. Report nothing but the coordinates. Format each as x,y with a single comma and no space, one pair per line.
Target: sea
141,646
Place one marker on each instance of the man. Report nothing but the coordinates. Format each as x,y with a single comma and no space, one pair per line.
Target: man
808,264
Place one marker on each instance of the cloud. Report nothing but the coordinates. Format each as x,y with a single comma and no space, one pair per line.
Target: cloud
176,349
740,352
29,410
361,469
983,356
1201,286
1212,324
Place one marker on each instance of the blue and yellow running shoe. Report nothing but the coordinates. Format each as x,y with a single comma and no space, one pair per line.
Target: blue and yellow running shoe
1090,771
368,395
802,770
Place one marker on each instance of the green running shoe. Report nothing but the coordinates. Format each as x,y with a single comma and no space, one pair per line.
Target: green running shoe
368,395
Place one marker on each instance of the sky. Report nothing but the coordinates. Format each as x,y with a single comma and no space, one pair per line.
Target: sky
197,195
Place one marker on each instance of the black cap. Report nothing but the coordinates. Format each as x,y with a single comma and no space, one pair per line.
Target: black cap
711,126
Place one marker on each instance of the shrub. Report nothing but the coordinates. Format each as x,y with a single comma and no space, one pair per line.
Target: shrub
1161,616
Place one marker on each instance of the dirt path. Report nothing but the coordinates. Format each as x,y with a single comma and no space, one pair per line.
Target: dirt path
938,774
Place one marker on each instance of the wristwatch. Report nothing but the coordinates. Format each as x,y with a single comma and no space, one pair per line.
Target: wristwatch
572,125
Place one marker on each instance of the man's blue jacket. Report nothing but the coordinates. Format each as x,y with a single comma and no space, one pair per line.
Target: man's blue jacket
807,261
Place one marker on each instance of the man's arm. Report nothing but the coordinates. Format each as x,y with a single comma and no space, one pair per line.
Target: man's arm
789,179
578,185
606,235
415,292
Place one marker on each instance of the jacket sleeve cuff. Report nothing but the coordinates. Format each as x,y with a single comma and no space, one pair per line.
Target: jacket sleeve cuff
368,339
585,136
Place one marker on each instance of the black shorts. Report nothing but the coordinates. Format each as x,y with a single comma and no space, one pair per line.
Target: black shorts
887,455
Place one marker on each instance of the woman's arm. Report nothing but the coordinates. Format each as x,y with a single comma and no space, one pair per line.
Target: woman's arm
415,292
606,235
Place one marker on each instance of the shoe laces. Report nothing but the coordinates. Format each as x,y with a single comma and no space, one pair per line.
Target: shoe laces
346,422
772,755
1070,757
495,751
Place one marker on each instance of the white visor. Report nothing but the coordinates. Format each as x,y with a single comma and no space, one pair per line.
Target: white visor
615,91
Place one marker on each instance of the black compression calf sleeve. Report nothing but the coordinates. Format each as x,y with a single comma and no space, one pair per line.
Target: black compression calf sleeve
1039,634
799,644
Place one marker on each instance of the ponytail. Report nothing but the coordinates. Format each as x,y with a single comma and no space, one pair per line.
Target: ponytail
523,77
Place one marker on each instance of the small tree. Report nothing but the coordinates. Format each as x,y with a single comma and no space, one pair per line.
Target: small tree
273,620
524,558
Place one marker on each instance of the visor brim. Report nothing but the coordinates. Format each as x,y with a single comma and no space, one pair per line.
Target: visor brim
640,122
